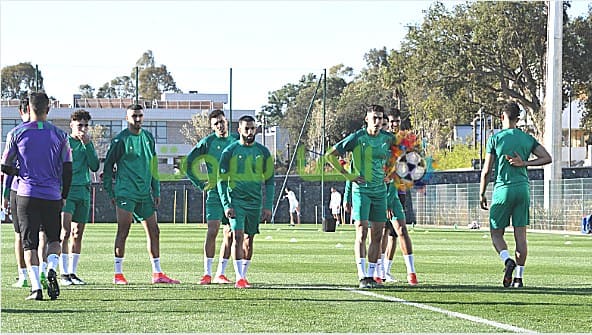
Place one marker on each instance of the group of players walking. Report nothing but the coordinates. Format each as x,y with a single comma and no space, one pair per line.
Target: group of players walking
50,191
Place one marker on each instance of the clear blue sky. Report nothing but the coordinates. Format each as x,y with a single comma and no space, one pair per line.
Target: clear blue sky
267,43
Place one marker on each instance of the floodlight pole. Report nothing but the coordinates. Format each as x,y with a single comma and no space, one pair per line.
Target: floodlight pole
137,84
323,146
230,104
553,94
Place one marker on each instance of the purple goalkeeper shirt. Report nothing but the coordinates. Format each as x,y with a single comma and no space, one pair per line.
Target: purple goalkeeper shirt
40,148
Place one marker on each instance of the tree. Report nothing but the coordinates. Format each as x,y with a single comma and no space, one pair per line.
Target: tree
196,128
98,135
153,80
119,87
475,56
18,80
577,63
87,91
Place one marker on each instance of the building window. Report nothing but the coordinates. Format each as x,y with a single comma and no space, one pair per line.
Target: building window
7,125
158,130
112,128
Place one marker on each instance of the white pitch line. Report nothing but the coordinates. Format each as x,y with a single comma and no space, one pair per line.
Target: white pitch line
446,312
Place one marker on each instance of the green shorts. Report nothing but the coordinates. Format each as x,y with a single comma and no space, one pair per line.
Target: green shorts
78,203
246,219
369,206
141,208
398,211
214,209
509,202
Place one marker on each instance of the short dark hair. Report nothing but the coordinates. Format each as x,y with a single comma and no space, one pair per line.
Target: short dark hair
80,115
135,107
288,189
23,104
215,113
512,110
39,102
394,112
246,118
375,109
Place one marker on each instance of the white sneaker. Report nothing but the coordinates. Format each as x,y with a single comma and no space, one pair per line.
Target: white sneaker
65,280
389,278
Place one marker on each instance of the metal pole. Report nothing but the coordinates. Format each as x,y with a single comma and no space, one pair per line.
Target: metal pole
553,93
137,84
230,104
36,78
569,130
175,208
323,146
480,138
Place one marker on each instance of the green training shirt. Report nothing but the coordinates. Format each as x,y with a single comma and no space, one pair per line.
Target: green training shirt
137,166
242,171
84,157
208,149
369,156
510,142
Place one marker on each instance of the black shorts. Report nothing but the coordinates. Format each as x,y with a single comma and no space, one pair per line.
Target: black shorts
14,212
34,213
389,225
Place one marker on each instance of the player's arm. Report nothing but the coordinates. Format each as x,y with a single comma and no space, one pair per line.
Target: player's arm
91,156
114,153
8,161
66,155
485,173
192,166
222,184
155,181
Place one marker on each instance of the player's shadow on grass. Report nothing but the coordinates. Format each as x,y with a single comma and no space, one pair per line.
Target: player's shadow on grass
585,291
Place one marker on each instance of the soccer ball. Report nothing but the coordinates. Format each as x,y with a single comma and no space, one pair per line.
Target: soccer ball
411,166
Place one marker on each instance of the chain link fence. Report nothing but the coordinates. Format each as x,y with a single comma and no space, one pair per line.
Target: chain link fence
458,204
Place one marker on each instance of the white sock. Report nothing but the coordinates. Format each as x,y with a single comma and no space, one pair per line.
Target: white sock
156,265
504,255
246,263
34,278
379,269
208,265
52,262
361,264
519,271
22,273
238,269
388,266
64,264
371,269
43,267
222,267
118,265
409,263
74,262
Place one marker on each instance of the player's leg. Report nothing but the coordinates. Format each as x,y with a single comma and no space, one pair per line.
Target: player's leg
51,213
520,219
79,219
125,218
298,215
225,251
360,213
209,250
29,222
18,245
75,250
391,244
238,232
42,255
380,270
252,218
499,219
406,249
377,217
65,237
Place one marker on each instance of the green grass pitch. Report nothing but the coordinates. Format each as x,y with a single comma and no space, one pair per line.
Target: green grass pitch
305,281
